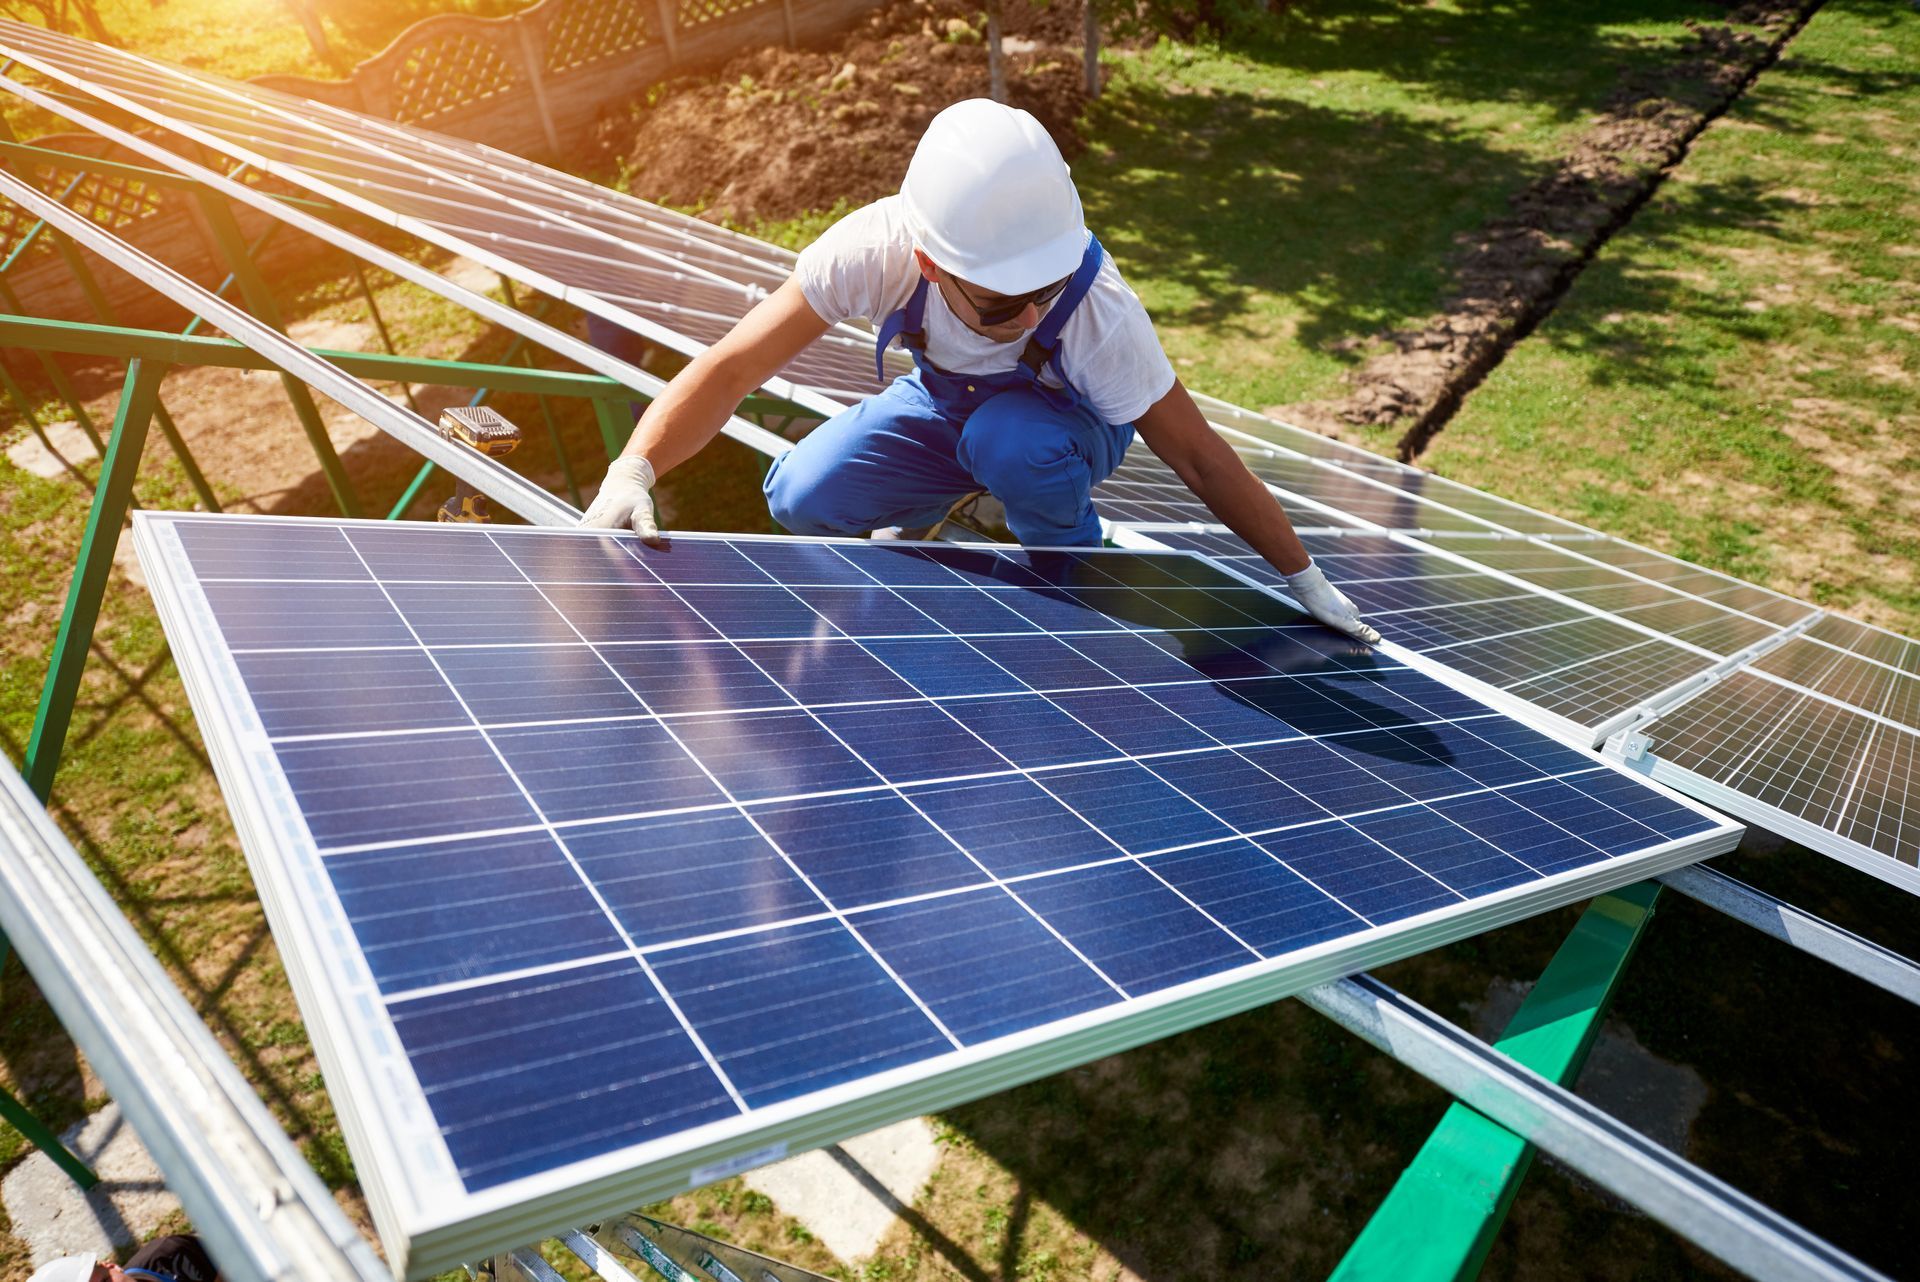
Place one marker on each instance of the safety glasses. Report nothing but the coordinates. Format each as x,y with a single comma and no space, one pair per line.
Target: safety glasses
1002,310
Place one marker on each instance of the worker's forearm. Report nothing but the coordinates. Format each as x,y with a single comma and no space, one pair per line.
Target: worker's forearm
1248,508
689,412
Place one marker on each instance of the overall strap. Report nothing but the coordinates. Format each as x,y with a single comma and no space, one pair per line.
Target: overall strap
909,324
1043,346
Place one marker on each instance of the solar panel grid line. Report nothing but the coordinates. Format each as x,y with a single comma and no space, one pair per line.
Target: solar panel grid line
1037,776
1386,489
1561,728
555,340
1877,644
202,91
1877,714
1832,776
1739,804
96,85
912,804
838,1111
1647,564
1656,705
506,487
1871,656
1563,598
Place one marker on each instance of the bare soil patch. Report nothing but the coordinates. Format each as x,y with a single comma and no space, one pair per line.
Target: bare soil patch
780,132
1509,274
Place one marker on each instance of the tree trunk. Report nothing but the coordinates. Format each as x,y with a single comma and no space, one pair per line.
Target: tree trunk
1090,47
310,23
996,59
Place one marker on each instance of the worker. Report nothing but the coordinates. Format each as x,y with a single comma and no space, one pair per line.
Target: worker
178,1257
1035,364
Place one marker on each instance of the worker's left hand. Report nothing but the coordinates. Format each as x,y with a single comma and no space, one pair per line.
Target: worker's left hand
625,498
1328,604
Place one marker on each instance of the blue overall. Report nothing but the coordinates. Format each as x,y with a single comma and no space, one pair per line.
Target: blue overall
905,456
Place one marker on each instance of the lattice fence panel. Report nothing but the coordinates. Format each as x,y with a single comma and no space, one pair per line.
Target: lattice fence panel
445,74
113,202
694,12
586,31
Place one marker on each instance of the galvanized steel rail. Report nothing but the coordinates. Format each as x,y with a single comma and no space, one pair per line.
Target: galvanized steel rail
263,1212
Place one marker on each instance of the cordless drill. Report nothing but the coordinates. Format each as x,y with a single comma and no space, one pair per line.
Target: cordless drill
482,429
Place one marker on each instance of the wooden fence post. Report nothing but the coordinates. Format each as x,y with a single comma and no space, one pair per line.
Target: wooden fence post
530,56
668,25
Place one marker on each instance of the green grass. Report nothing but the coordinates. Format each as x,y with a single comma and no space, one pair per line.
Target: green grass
1736,376
1273,199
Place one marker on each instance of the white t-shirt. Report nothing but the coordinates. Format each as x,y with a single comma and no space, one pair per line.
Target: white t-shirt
863,268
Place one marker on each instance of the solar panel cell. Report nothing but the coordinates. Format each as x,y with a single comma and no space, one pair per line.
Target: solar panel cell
1138,931
401,786
688,875
841,1014
430,914
936,946
537,1070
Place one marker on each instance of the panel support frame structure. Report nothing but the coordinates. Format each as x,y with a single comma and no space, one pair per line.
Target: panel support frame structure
1442,1215
264,1213
1693,1203
139,397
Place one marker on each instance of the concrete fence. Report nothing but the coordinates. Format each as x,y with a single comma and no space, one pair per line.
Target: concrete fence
534,83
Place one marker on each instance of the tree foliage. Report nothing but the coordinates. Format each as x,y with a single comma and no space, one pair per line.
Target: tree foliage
71,17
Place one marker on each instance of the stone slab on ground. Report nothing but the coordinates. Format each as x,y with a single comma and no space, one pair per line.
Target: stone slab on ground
54,1218
850,1195
70,449
1656,1097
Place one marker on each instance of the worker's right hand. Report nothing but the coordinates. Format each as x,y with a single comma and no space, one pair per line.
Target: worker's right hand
625,499
1328,604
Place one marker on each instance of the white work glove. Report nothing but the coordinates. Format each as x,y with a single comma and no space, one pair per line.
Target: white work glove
625,498
1328,604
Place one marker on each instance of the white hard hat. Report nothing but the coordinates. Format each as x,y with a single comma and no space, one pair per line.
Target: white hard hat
68,1268
988,197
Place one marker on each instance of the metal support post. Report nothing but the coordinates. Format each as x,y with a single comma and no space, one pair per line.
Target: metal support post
97,299
37,1132
616,424
379,324
111,498
253,287
1444,1212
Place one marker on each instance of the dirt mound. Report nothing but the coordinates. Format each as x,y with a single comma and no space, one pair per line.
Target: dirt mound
1509,273
780,132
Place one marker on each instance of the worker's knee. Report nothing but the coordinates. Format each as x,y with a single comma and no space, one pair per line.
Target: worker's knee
802,498
1018,442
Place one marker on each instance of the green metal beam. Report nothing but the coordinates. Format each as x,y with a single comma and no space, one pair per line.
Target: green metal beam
1442,1215
75,338
111,498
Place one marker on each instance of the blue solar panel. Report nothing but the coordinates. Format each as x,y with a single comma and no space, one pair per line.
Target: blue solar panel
746,823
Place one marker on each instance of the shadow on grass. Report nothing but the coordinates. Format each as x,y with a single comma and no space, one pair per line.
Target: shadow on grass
1350,215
